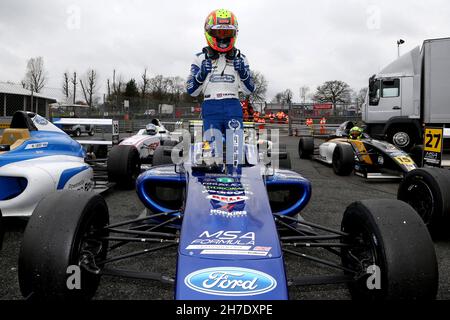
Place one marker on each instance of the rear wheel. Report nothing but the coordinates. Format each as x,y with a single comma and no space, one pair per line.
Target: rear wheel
427,191
285,163
92,132
1,231
416,154
62,233
390,250
169,143
162,156
343,159
306,147
124,166
77,133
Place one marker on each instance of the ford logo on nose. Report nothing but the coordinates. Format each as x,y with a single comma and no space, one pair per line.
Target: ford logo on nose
230,281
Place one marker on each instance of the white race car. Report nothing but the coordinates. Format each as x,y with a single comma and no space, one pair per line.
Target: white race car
136,150
37,158
147,140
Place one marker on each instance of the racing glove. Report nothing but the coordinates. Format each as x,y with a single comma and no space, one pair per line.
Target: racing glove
239,66
205,69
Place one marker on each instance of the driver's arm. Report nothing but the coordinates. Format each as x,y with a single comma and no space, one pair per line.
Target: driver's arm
194,83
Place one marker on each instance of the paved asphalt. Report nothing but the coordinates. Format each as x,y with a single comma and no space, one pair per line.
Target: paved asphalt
331,195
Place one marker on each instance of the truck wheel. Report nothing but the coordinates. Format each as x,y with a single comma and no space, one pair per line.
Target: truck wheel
343,159
161,156
427,191
56,238
124,166
404,138
388,234
305,147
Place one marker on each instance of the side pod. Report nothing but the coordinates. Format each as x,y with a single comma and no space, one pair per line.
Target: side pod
288,192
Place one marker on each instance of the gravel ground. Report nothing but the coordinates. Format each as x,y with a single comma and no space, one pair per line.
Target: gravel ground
331,195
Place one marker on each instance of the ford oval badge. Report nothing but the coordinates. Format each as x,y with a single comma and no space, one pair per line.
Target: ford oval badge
230,281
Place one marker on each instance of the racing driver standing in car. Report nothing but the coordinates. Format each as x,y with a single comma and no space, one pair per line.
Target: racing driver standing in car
220,72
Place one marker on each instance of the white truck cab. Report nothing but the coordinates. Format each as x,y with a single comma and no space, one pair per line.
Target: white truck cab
411,91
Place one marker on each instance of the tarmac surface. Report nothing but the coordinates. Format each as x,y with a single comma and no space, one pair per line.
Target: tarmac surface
331,195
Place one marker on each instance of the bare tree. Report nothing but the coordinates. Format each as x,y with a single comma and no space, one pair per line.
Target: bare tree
65,87
35,76
284,97
108,84
145,83
89,86
287,96
159,87
333,91
259,95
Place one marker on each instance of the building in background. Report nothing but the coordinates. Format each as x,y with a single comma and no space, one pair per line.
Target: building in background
14,97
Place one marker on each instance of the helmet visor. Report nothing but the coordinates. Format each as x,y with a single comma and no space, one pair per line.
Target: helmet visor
222,33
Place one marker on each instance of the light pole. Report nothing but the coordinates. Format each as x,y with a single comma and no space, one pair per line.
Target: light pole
399,43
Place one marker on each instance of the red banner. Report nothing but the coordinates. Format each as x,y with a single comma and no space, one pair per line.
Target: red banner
323,106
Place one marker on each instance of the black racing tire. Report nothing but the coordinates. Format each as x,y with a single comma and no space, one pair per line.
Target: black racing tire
99,150
416,154
306,147
403,137
77,133
161,156
124,166
2,231
91,132
286,163
390,235
169,143
54,239
343,159
427,191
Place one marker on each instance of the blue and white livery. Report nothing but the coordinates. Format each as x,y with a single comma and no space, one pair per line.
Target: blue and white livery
37,158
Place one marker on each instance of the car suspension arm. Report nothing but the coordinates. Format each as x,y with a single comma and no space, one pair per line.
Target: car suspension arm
321,261
123,223
134,254
312,225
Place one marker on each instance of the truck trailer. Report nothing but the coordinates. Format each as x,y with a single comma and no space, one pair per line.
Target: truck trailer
410,93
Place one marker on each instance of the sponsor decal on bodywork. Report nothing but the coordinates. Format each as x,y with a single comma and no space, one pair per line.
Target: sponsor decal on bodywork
230,281
228,242
37,146
227,196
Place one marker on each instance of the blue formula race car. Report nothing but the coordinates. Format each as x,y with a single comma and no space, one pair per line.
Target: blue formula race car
233,222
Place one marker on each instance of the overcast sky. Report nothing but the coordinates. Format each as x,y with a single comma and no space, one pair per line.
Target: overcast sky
292,43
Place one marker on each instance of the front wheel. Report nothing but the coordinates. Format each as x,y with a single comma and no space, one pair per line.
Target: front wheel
343,159
61,236
390,250
124,166
426,190
305,147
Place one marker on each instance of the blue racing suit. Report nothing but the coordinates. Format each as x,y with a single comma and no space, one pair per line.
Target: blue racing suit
221,89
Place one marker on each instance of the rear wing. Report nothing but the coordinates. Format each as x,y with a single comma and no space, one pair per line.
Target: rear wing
96,122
